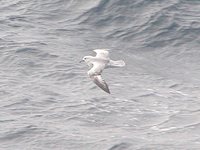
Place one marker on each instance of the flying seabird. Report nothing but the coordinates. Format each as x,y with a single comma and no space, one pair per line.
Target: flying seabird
98,63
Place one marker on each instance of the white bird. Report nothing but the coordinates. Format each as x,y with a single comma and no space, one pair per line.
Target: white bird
98,63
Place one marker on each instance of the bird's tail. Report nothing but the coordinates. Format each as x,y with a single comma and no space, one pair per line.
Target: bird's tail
116,64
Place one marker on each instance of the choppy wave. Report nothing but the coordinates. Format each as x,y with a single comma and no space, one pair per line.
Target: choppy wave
47,100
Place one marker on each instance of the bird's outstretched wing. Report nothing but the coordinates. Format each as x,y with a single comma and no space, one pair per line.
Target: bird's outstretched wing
102,53
99,81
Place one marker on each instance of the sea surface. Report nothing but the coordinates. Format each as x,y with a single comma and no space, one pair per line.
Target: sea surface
47,100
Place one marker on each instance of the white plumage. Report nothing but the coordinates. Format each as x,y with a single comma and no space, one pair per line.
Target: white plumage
98,63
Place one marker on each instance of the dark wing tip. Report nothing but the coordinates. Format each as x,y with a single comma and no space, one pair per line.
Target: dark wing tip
101,83
106,90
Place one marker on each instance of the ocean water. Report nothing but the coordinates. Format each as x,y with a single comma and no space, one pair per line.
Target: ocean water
48,102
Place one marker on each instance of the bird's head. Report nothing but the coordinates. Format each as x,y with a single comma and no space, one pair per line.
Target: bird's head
86,59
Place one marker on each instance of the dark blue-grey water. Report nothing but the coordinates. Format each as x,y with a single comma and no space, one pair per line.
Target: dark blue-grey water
47,100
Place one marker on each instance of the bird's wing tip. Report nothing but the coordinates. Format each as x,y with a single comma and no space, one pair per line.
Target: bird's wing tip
100,83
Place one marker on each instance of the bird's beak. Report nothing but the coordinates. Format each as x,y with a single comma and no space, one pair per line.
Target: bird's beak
81,61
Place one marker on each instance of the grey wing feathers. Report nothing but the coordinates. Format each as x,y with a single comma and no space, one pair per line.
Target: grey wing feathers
98,80
102,53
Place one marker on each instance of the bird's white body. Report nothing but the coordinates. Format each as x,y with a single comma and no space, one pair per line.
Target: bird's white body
98,63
